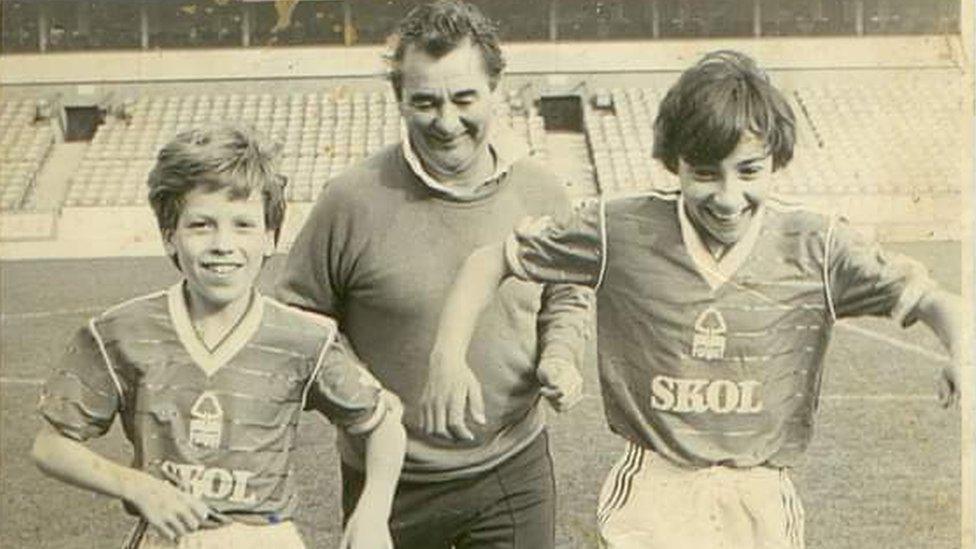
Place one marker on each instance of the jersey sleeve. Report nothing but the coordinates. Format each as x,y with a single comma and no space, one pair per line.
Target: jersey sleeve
80,399
568,249
344,391
864,279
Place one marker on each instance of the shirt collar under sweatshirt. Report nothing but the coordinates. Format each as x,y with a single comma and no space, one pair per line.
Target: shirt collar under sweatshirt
504,146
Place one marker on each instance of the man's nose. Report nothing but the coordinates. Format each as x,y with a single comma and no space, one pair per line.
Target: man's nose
448,120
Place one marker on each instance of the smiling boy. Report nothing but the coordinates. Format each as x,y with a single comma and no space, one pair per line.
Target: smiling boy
209,377
715,305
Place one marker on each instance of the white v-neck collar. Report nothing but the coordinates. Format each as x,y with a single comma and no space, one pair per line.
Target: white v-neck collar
211,361
718,272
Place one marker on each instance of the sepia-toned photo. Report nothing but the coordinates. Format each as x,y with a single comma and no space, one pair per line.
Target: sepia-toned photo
487,274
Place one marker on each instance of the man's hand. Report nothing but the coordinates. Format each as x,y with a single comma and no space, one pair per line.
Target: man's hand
451,390
168,509
561,383
366,530
949,385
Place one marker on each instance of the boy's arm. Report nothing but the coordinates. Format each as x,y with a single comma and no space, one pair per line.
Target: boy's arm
864,279
173,512
941,312
452,388
385,446
564,324
543,250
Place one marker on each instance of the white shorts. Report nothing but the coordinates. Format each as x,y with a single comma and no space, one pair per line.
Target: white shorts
648,502
283,535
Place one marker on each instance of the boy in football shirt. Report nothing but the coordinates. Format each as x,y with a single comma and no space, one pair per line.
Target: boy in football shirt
209,377
715,305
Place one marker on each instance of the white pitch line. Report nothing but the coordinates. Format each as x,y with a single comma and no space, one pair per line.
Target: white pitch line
47,314
881,398
894,342
21,381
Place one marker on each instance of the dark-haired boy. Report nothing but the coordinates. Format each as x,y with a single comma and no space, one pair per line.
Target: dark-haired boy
715,305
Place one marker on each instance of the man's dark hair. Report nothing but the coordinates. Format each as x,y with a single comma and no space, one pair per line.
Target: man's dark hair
438,28
703,116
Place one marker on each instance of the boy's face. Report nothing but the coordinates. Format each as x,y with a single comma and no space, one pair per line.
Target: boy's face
220,243
446,103
721,199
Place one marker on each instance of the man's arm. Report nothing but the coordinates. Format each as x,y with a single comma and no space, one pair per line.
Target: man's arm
385,445
942,313
173,512
452,388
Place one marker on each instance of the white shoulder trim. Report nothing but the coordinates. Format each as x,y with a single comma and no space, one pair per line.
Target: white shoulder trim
602,221
652,193
828,292
93,329
333,334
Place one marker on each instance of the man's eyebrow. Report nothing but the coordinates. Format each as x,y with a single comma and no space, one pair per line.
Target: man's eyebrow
462,94
423,96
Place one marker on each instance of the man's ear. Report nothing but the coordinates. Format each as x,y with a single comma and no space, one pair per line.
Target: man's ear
168,246
269,243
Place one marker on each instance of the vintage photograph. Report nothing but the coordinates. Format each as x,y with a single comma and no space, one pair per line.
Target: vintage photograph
487,274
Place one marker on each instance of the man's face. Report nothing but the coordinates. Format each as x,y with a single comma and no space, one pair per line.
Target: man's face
446,103
722,199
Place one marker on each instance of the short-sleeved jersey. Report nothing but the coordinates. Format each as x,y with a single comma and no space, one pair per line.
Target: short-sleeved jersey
715,362
219,423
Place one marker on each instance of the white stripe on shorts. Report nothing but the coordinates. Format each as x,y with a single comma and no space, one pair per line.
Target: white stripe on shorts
623,474
793,510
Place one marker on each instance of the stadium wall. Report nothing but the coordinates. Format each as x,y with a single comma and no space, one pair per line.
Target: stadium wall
523,58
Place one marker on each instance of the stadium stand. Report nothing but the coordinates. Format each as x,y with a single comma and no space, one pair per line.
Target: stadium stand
619,124
24,144
321,133
898,137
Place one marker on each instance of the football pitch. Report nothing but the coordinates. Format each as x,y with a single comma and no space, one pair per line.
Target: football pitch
883,470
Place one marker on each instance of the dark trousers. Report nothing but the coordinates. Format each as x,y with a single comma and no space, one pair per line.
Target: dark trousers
512,506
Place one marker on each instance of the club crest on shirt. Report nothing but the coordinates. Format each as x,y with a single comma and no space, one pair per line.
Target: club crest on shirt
206,421
708,342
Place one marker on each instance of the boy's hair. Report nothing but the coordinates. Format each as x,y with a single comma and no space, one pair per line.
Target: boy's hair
703,116
216,157
437,28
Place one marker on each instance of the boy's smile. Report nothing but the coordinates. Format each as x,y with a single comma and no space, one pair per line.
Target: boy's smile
721,199
220,243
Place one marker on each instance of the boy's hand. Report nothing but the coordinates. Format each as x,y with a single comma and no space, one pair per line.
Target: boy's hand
364,531
949,385
451,390
168,509
561,383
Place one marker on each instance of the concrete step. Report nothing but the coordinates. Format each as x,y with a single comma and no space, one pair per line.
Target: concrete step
52,181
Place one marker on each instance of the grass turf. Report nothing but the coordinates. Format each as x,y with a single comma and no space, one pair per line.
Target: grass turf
882,471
